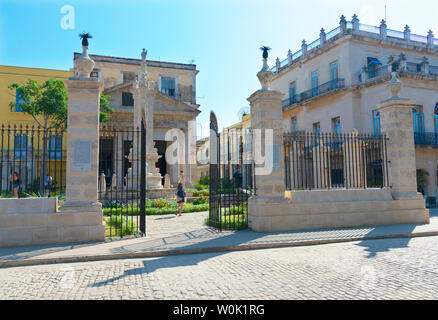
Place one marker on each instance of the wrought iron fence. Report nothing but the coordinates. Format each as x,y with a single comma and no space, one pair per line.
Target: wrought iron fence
329,160
122,180
36,156
231,177
306,95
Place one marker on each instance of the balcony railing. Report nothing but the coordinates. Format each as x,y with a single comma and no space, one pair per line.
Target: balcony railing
426,138
362,28
314,92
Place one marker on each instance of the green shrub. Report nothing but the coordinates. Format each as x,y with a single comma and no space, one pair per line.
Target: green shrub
119,225
201,200
198,193
204,181
199,186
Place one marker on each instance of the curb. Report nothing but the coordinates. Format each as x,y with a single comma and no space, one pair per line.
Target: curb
162,253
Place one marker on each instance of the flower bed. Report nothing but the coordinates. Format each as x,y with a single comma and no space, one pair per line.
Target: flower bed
155,207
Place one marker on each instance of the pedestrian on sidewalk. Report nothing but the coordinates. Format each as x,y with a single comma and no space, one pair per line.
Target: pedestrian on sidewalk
15,180
180,196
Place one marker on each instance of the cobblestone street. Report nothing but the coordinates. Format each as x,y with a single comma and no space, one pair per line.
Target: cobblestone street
373,269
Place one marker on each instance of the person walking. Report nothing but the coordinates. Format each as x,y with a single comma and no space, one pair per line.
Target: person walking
15,179
180,197
48,184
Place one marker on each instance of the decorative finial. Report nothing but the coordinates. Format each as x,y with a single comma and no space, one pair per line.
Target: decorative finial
383,23
265,75
407,28
84,64
395,86
265,50
85,36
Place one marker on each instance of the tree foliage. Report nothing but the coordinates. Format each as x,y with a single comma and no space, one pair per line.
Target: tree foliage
46,102
105,109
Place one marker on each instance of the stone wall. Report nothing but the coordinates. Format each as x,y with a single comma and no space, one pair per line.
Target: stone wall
36,221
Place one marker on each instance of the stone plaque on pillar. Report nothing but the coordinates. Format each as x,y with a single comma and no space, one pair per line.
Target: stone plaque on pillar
81,155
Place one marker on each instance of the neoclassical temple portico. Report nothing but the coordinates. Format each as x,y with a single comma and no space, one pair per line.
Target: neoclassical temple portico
163,95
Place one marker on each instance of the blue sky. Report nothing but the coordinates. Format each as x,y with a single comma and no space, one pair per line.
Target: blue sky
222,37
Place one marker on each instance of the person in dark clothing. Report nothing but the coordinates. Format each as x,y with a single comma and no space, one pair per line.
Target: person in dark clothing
180,198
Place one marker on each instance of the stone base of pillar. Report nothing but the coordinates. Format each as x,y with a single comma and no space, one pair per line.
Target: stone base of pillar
81,207
153,181
407,195
281,214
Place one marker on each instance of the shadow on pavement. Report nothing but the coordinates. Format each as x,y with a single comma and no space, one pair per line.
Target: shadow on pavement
152,264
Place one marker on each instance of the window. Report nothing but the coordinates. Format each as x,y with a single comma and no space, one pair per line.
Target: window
334,74
95,74
127,99
336,125
418,120
18,101
376,122
168,86
292,92
435,118
314,83
373,65
55,147
294,124
20,146
316,128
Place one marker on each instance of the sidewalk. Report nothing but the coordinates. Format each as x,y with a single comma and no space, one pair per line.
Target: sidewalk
187,234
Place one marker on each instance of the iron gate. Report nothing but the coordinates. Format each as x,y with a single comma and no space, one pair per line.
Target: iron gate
122,180
231,177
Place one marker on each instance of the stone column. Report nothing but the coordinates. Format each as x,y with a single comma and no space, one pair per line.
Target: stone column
397,123
289,57
430,37
342,24
82,145
355,23
83,154
425,66
407,34
266,118
383,30
322,37
304,48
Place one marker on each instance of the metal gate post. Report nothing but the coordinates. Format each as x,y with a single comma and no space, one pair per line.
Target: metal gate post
143,180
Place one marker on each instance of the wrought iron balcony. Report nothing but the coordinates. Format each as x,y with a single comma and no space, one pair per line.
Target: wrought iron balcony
314,92
426,139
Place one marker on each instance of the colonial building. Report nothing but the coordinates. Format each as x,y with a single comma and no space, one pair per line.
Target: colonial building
173,101
21,139
334,83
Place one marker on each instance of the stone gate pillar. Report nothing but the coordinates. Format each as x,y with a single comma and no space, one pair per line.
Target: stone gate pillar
396,121
83,150
268,204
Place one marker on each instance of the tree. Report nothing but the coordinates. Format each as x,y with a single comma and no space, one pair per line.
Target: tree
47,104
105,109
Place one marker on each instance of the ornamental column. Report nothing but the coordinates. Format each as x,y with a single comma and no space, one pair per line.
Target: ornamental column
396,122
83,137
267,128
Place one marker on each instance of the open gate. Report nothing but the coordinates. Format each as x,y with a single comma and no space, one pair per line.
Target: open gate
122,180
231,176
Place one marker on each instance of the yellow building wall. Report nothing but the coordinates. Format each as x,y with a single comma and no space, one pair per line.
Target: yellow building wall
9,119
